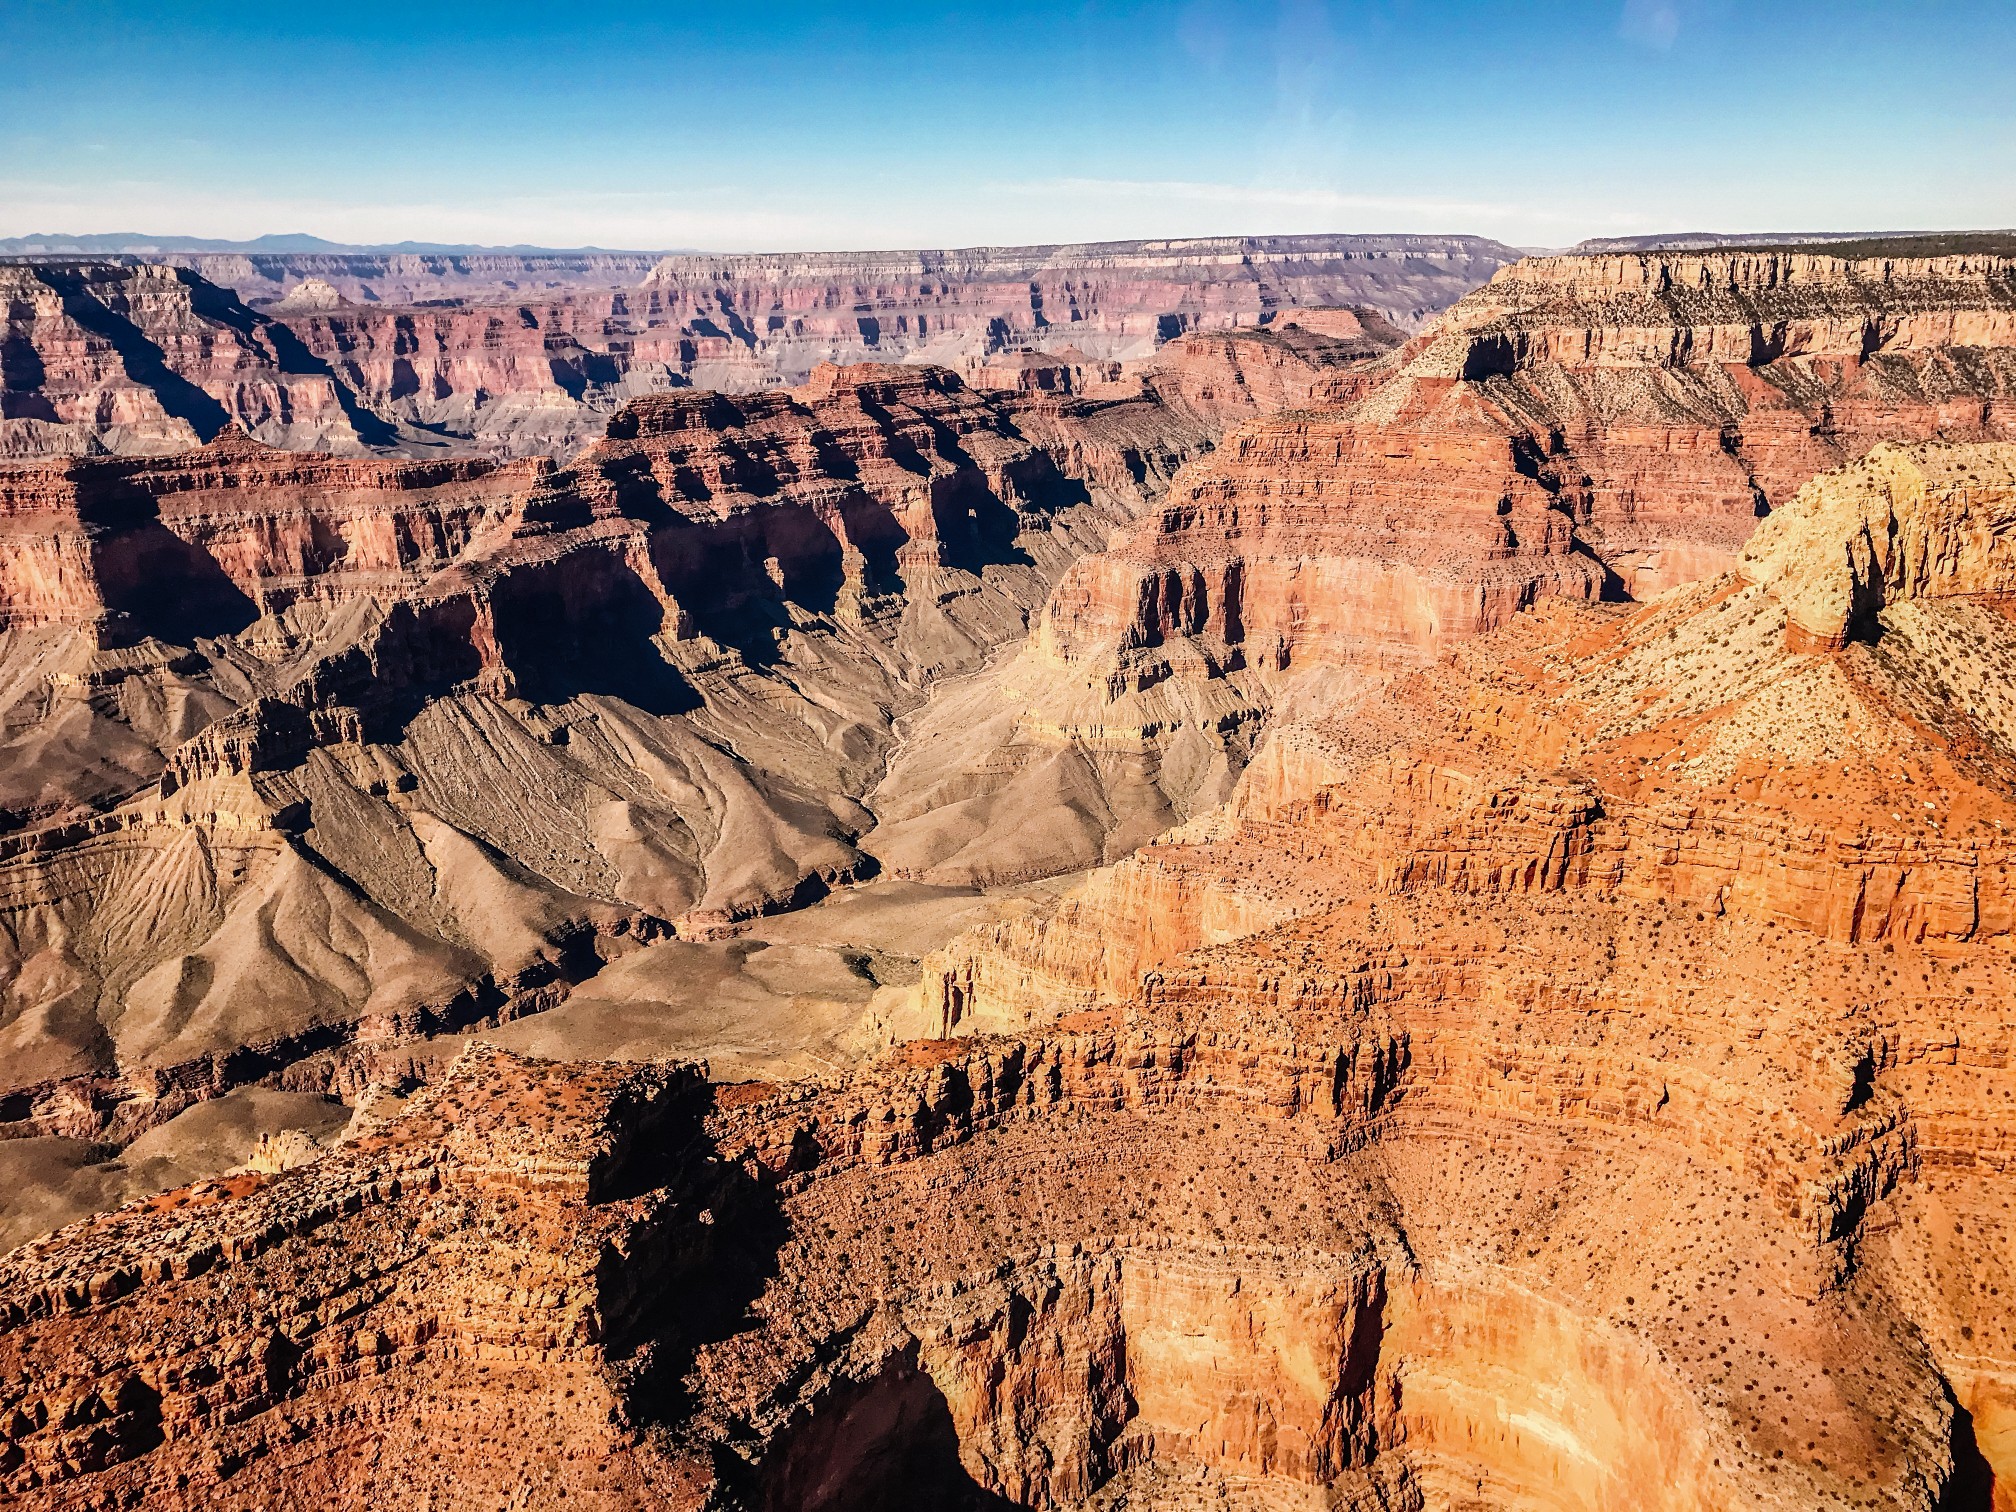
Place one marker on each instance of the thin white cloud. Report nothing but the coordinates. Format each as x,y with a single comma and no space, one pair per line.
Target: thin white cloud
1456,214
1653,23
732,218
886,213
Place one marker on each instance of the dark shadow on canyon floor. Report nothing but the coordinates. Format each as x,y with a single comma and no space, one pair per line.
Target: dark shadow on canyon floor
1972,1488
144,362
887,1444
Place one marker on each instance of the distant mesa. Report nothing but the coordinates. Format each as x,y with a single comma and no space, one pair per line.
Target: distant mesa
310,294
1834,243
522,353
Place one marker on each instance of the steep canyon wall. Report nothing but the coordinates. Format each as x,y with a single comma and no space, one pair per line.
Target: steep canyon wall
523,355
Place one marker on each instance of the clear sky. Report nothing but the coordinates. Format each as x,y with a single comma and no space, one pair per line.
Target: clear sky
774,124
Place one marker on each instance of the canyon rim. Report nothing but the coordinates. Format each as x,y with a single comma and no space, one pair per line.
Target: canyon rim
1132,852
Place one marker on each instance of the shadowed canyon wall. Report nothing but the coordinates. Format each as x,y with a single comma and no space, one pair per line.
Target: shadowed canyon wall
1558,1057
1582,428
305,748
746,648
1598,1105
523,355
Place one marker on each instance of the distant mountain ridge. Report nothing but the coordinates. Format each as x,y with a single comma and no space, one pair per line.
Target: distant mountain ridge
141,244
41,244
1702,241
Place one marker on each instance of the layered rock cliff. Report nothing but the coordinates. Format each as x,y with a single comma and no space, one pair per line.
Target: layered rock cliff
867,624
528,374
306,749
1581,427
1716,888
1674,397
1570,1078
524,355
1561,1062
146,358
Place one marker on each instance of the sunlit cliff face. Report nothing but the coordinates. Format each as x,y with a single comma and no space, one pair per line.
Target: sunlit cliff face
1568,1070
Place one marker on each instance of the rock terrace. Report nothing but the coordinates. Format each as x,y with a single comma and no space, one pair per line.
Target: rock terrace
1534,1031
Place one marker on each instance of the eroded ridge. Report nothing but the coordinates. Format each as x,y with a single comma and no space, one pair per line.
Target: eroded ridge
1582,428
377,1323
1574,1078
510,355
305,750
1720,886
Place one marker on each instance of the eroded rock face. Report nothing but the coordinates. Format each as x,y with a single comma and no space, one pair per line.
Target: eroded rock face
1569,1079
146,358
520,356
1687,892
307,751
1671,398
1306,353
1581,428
267,1338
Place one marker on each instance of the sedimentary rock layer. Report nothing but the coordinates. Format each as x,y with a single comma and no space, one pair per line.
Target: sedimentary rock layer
303,749
1572,1079
511,355
1671,398
142,358
1720,886
1580,427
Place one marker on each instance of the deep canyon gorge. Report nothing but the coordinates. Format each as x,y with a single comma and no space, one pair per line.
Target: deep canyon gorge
1346,873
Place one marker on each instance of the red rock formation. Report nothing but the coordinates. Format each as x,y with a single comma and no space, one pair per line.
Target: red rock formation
365,1328
1694,709
1598,1103
1239,374
1570,1072
1229,280
418,279
739,599
1222,376
524,355
1707,889
517,373
1669,399
1579,427
152,359
306,750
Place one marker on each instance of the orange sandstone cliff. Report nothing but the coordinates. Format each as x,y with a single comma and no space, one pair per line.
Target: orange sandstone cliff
1571,1076
1581,427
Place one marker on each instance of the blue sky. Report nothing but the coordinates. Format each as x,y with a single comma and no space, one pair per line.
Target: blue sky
730,124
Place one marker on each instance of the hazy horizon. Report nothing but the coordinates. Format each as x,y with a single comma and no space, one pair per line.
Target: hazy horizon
817,126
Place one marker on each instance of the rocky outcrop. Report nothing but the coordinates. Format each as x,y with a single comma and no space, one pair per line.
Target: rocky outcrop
145,358
1914,526
1686,894
1237,375
1571,1077
416,1282
1673,398
519,356
1580,427
307,751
